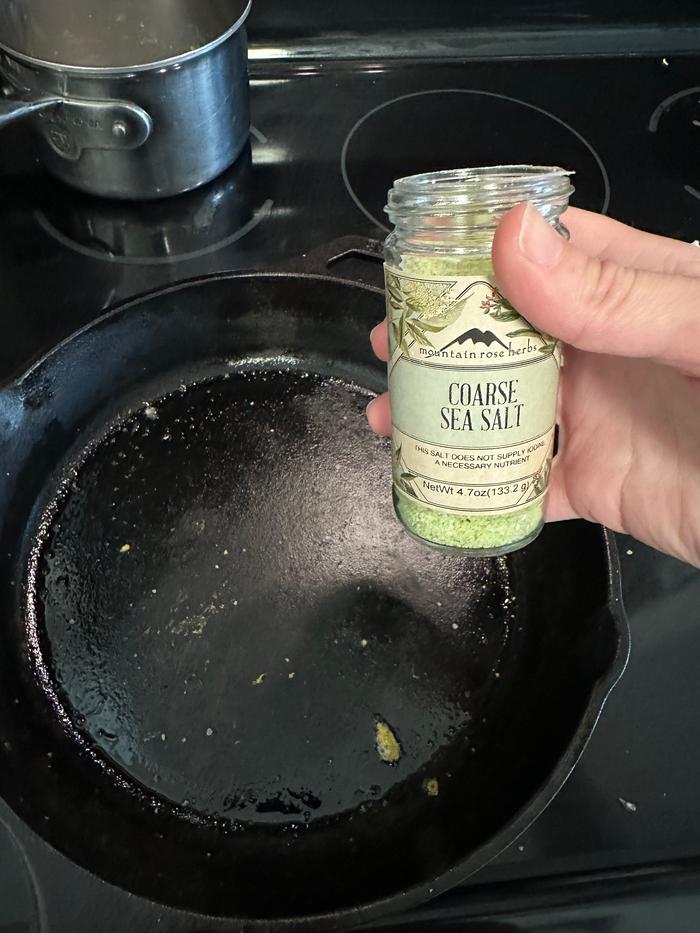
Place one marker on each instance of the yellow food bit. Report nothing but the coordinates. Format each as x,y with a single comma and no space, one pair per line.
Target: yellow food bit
388,747
125,548
259,680
364,643
431,787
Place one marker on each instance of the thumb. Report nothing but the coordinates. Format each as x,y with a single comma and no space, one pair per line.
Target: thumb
592,303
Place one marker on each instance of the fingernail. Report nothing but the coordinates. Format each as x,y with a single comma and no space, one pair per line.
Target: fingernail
539,241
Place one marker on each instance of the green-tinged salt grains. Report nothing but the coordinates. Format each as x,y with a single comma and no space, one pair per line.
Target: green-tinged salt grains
486,532
473,384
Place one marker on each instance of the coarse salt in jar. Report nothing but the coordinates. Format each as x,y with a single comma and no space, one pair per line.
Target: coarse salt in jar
473,384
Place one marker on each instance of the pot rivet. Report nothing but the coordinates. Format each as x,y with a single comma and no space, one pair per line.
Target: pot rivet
119,129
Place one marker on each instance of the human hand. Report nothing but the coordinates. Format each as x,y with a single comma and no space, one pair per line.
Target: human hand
626,304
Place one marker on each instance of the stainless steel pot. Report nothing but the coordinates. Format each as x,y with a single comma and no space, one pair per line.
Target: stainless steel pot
129,99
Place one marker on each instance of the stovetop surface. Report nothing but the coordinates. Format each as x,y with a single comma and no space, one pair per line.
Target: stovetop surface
620,846
327,142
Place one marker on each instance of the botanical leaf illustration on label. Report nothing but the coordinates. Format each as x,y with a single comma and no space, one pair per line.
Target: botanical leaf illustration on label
473,395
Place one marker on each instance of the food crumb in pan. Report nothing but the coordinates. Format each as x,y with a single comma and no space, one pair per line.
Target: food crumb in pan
259,679
151,412
455,626
627,805
210,731
388,747
291,675
363,643
125,548
431,787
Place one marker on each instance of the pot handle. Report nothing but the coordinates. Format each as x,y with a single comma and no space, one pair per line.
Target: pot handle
11,111
71,124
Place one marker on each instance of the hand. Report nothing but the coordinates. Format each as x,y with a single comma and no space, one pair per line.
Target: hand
627,306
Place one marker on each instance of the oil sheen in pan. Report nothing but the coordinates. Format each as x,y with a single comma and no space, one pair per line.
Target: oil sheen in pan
230,608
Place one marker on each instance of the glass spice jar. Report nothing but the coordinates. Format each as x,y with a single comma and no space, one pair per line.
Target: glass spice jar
473,385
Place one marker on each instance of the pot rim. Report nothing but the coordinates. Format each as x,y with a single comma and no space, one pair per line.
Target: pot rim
94,71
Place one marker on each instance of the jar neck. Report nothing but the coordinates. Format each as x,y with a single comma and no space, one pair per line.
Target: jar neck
461,209
428,241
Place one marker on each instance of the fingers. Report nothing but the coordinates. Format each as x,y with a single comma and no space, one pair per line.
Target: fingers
379,415
610,240
378,410
596,304
379,340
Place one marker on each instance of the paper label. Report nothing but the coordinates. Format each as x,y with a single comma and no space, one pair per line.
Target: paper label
473,395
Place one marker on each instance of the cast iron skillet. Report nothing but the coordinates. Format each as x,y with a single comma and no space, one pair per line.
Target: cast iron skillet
208,607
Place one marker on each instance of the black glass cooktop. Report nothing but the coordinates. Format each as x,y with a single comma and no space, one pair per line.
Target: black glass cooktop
276,23
327,143
619,850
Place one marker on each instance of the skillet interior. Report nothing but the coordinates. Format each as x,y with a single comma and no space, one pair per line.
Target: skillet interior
222,438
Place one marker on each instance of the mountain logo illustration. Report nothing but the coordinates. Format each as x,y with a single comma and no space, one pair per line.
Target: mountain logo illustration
476,335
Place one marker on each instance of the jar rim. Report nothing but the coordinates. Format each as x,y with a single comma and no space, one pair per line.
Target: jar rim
477,174
490,188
